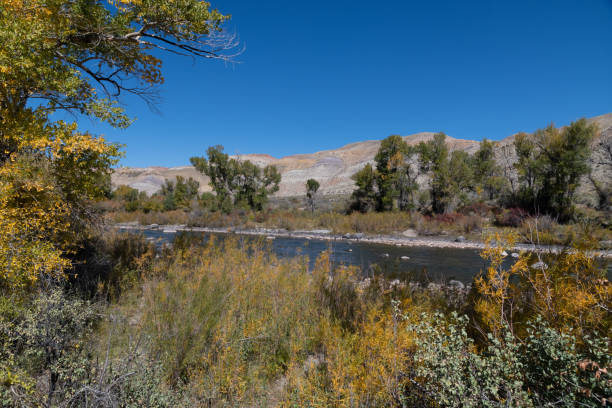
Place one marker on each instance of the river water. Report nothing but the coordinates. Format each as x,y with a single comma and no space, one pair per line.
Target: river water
436,264
404,263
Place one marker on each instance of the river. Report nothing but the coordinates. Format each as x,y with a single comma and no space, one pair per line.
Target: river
401,262
436,264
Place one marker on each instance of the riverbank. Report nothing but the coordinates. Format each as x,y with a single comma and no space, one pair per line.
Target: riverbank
457,242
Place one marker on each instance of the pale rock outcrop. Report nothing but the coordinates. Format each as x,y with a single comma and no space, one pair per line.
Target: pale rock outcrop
334,168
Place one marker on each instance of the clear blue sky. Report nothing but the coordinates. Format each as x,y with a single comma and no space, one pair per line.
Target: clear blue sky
320,74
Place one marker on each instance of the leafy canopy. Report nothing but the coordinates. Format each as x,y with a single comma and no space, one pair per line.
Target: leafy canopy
312,186
236,182
550,165
79,57
434,159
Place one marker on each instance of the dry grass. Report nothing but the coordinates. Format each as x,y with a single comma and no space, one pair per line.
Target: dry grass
472,225
233,325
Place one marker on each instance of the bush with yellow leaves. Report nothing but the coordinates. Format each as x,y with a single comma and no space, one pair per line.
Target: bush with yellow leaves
569,289
45,187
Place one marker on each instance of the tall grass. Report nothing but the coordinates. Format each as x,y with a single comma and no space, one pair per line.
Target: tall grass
229,320
230,324
234,325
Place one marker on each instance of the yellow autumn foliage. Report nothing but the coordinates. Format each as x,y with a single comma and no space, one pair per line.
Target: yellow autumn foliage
78,58
49,173
242,327
569,289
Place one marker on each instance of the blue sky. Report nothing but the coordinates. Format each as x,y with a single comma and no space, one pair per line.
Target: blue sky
318,75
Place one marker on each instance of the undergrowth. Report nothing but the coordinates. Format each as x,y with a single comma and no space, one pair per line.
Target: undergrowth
233,325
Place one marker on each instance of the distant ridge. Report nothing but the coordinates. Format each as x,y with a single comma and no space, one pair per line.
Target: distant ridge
332,168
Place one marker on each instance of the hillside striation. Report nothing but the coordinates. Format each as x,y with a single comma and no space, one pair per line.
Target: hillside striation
333,168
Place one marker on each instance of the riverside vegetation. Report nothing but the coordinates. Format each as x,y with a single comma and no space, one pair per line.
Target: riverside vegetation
462,194
93,318
458,193
229,324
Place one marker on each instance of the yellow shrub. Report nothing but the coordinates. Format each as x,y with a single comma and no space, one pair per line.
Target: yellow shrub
231,320
568,289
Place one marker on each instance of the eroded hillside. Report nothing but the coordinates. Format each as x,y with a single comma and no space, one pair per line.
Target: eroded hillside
333,168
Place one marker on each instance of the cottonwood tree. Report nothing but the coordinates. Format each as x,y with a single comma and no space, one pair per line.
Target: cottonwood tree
392,184
235,182
255,184
454,176
364,197
80,54
461,172
487,173
396,179
434,160
312,186
222,171
76,56
179,193
527,168
550,165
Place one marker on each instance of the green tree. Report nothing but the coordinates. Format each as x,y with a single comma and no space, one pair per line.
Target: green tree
208,201
389,159
364,197
186,191
125,193
131,198
434,161
487,173
461,175
237,182
396,179
312,186
550,165
179,193
221,171
151,204
254,185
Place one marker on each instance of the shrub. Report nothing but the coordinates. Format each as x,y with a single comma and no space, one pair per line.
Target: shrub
543,369
470,223
447,218
452,373
336,290
476,208
110,262
512,217
229,321
557,374
39,343
130,255
541,230
50,358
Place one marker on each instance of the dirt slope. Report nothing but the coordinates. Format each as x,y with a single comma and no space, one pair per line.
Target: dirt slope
332,168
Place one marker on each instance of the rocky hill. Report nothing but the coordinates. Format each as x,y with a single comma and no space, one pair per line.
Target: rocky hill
332,168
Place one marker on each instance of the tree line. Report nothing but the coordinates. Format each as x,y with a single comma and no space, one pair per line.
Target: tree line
539,176
543,179
173,195
236,184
